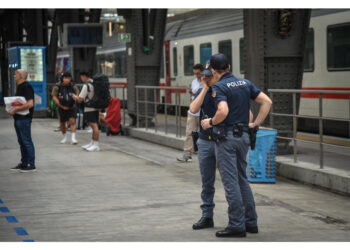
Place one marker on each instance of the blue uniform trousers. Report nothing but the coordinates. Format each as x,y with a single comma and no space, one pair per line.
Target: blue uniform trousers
231,158
207,166
23,131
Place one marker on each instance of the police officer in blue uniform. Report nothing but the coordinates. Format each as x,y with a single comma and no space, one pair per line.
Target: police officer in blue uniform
204,102
232,96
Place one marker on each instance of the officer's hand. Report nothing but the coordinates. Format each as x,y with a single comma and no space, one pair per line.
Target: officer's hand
205,124
252,125
204,83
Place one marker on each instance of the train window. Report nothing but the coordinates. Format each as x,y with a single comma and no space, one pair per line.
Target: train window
309,53
188,60
241,55
175,61
225,47
120,64
338,47
205,52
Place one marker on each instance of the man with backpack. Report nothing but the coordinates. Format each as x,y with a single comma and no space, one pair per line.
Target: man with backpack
62,95
95,94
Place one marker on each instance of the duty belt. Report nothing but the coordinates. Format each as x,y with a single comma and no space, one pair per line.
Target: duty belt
205,137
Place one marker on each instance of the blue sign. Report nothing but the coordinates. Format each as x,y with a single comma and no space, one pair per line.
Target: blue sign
32,59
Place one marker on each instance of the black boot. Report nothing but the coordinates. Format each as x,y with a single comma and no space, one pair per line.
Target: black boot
252,230
230,233
203,223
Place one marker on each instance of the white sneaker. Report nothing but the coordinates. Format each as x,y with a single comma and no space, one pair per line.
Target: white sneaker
64,140
74,141
93,148
87,145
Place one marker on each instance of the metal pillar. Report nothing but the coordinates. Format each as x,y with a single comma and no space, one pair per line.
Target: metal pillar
143,54
274,43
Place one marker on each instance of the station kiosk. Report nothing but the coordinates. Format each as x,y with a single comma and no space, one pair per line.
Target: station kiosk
32,59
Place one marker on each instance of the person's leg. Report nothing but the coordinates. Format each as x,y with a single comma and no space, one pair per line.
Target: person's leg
246,192
207,166
227,164
20,142
73,129
93,118
25,130
188,146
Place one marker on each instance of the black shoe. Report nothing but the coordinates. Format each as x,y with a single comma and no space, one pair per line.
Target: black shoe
203,223
28,168
18,167
230,233
252,230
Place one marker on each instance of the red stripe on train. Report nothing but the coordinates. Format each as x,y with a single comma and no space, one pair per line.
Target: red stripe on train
326,96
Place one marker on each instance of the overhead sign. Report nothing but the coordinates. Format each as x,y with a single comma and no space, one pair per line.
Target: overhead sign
124,37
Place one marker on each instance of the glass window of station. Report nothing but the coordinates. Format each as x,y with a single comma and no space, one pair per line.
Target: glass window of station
205,52
175,61
225,47
338,47
309,53
188,60
112,64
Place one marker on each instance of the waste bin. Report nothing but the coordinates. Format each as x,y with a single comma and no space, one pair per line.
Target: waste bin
262,160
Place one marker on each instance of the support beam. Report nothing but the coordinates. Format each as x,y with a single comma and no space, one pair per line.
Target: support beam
143,54
274,43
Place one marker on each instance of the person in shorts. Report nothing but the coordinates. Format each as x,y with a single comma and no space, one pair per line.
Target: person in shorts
91,115
62,95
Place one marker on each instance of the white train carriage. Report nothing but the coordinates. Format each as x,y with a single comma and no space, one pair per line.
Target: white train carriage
193,37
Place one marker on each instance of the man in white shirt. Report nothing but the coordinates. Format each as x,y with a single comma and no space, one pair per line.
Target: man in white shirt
90,114
192,119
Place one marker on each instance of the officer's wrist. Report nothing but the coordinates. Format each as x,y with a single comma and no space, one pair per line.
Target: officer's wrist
211,122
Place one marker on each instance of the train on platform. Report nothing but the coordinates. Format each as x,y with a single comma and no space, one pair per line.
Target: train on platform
194,36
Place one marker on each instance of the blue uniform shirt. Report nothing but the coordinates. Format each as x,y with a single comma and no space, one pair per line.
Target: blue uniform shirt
237,92
208,108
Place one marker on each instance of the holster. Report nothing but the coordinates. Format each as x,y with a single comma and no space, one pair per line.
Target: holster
195,136
252,136
219,133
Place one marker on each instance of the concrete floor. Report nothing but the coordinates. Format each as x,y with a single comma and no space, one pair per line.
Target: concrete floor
134,190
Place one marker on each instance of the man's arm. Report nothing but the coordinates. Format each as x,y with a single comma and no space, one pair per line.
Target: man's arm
220,115
265,106
55,99
28,105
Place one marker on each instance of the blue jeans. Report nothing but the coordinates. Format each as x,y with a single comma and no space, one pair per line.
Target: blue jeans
23,131
207,166
231,158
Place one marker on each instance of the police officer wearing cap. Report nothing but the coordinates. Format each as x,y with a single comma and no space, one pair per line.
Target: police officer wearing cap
232,96
204,102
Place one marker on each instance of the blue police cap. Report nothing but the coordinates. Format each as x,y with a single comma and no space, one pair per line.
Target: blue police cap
219,61
207,69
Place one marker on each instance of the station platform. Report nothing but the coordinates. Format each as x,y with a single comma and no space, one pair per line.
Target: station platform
134,190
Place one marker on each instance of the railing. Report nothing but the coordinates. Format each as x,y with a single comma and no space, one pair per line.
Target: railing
49,87
295,117
143,112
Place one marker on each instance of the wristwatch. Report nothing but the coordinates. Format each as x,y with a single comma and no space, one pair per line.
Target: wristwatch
211,122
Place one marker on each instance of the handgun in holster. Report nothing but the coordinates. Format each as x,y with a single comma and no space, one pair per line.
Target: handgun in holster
195,136
252,136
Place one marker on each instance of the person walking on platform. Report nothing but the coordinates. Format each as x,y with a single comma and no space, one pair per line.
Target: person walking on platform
91,115
23,122
62,95
230,126
192,118
205,105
